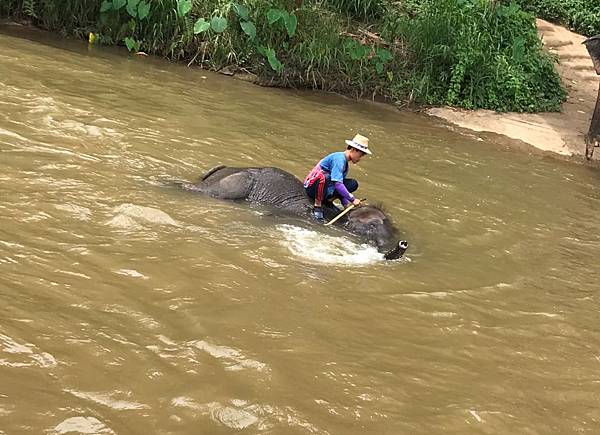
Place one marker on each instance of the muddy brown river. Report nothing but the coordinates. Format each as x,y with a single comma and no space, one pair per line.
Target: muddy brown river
130,307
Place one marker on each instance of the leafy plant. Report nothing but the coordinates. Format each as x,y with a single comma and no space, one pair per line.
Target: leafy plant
356,50
132,44
381,57
289,21
473,54
201,25
183,7
582,16
29,8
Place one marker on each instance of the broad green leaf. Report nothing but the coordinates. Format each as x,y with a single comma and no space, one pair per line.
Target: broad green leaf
130,43
364,51
106,6
184,7
273,61
383,54
275,14
241,11
290,22
118,4
218,24
378,67
132,7
143,9
201,25
249,28
349,44
359,51
262,50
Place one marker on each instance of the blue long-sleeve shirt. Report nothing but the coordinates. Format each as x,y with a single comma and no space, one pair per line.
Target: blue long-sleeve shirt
337,167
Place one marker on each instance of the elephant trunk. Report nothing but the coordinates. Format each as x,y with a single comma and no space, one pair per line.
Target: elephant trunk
397,251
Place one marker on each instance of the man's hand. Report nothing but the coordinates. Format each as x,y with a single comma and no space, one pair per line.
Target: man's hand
356,202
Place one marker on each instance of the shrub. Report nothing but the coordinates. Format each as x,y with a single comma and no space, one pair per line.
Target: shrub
473,54
583,16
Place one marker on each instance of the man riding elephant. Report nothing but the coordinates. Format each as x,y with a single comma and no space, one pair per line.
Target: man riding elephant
285,194
327,180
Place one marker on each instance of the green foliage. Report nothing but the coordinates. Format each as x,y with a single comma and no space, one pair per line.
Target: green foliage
583,16
218,24
242,11
183,7
201,25
66,16
29,8
459,52
269,53
249,28
358,9
287,20
118,4
132,44
359,52
473,54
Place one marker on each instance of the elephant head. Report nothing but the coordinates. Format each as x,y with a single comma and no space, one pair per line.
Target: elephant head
371,223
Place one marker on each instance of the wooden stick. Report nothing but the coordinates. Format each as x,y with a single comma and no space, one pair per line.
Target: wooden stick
335,219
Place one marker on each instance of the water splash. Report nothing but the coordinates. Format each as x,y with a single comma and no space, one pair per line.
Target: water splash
316,247
82,425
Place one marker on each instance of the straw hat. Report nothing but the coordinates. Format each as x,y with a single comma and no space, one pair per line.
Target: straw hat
361,143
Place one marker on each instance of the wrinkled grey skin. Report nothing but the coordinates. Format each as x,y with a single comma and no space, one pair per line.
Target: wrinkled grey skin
282,191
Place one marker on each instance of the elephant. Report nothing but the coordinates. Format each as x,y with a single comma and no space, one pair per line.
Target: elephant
282,191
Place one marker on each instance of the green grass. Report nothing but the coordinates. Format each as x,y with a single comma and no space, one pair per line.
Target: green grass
475,55
582,16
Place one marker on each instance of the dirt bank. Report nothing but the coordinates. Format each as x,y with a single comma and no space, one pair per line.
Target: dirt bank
562,133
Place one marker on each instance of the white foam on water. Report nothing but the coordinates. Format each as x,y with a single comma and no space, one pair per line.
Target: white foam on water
240,414
232,417
11,346
24,355
130,272
45,360
234,359
542,314
132,216
138,316
186,402
78,212
106,399
316,247
477,417
82,425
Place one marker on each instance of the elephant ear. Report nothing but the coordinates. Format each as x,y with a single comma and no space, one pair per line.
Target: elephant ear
211,171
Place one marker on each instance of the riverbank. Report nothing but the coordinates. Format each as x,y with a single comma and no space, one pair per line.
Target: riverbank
473,54
560,133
